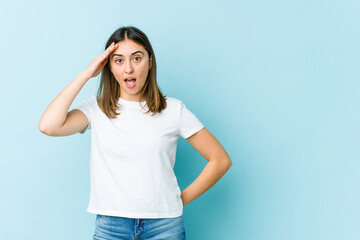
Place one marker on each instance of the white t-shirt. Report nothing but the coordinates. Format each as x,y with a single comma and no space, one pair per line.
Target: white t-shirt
132,158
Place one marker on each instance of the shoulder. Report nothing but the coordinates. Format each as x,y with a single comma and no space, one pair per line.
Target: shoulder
89,103
91,99
174,105
173,101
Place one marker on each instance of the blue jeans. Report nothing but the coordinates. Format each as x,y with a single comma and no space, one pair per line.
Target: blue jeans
116,228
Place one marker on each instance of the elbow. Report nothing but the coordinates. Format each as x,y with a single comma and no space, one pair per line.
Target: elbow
44,130
228,164
222,158
224,162
224,165
41,128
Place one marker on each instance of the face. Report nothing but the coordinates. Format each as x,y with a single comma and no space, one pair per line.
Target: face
130,60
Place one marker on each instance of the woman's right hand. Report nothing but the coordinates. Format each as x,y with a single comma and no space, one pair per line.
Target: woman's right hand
97,65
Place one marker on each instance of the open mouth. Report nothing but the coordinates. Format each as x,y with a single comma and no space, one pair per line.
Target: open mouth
130,82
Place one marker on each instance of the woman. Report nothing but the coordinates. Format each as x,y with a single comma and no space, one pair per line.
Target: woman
134,131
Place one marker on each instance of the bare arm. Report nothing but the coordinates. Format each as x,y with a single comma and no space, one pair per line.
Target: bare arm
56,113
218,164
56,120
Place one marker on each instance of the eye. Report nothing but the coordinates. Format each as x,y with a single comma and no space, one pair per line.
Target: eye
137,58
117,60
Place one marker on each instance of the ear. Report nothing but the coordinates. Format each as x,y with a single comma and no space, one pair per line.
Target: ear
150,63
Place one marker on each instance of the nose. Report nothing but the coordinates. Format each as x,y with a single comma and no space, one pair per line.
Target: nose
128,67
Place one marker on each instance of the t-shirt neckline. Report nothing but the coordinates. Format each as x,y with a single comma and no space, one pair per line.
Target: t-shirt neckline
131,104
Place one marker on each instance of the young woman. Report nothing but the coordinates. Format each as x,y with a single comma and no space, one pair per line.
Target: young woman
134,132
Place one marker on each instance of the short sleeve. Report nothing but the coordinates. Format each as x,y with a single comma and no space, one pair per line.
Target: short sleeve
86,107
189,123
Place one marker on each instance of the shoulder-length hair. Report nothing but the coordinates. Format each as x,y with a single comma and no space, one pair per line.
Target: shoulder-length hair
109,89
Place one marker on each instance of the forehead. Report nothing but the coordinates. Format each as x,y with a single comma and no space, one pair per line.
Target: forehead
127,47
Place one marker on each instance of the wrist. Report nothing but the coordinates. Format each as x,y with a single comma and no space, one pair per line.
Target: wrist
84,75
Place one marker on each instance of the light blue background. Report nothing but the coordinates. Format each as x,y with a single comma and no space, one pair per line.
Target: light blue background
276,82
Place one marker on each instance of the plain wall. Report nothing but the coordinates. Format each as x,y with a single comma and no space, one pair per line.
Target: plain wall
276,82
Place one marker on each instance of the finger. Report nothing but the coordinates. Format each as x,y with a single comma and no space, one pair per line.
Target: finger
111,45
107,50
111,48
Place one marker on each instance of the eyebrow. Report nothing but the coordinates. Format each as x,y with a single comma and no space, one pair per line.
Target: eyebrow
120,55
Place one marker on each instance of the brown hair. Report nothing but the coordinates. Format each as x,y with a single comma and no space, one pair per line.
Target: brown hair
109,89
